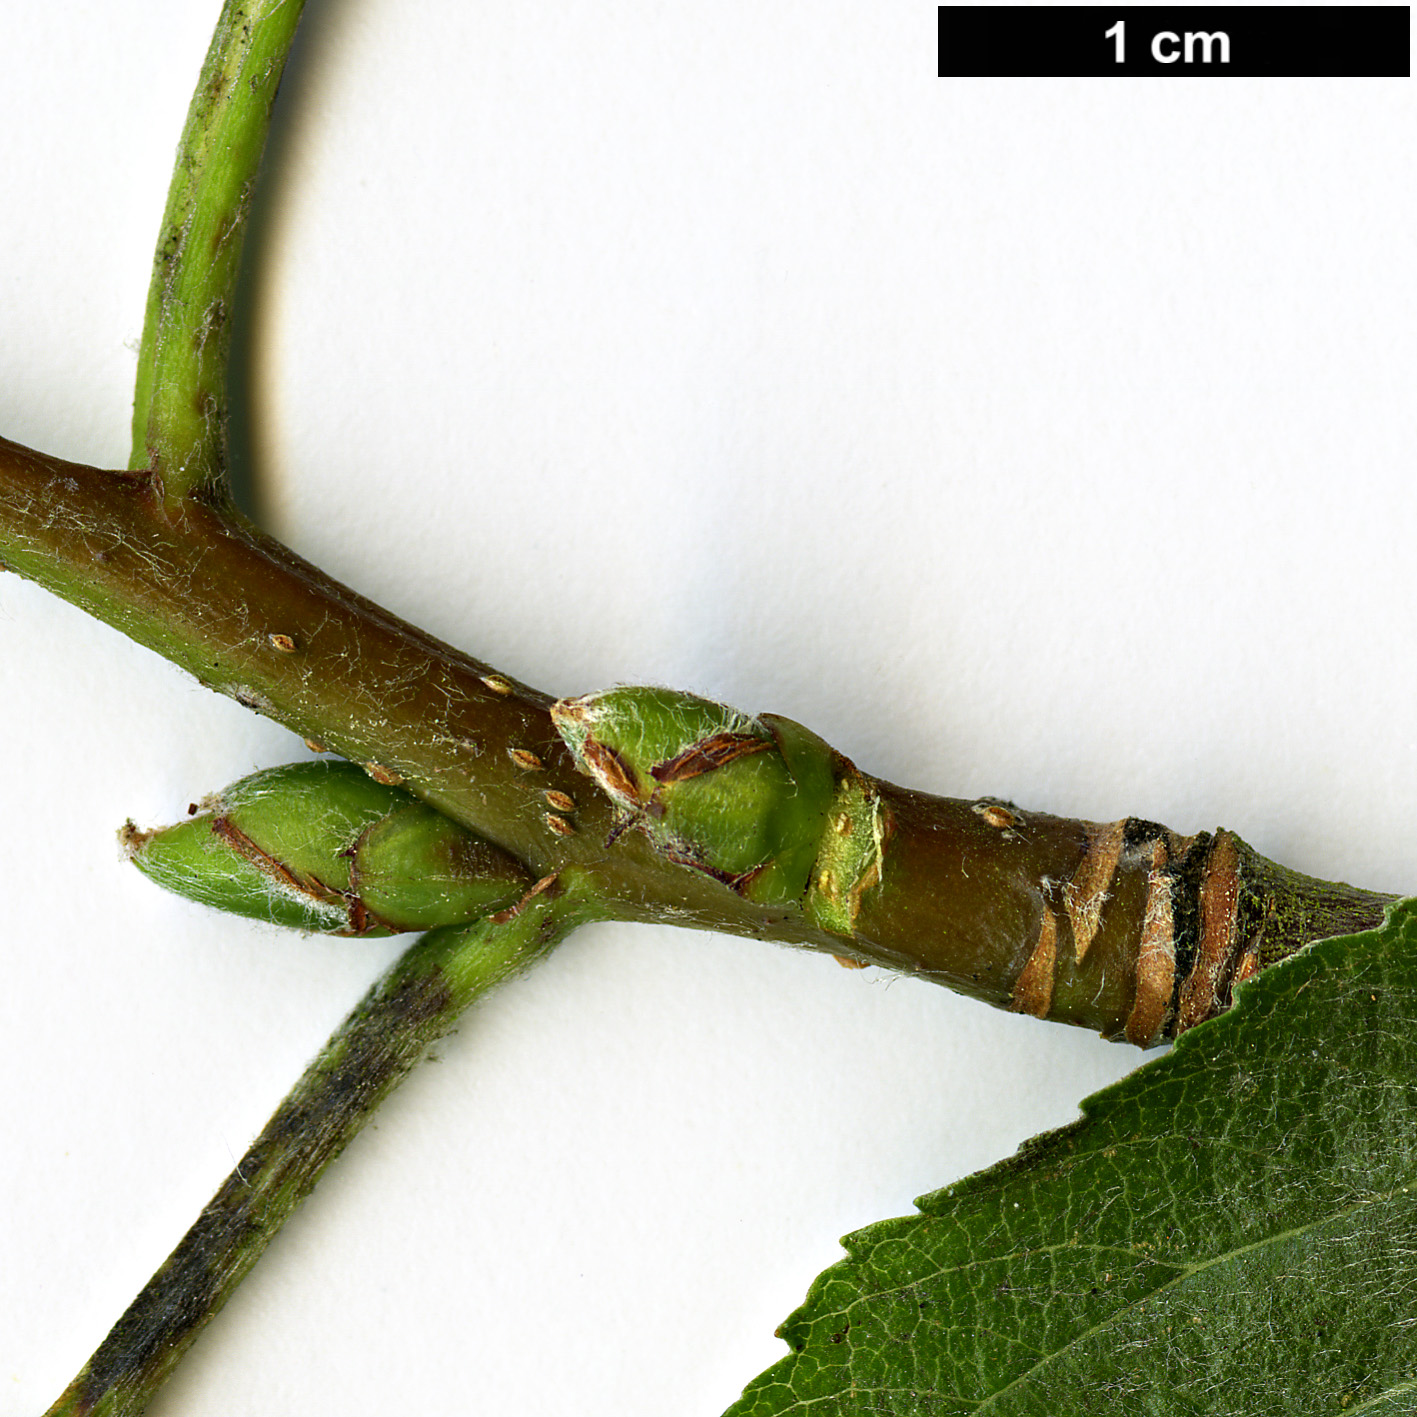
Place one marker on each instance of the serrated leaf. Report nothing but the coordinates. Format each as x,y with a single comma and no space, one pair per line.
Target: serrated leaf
1231,1229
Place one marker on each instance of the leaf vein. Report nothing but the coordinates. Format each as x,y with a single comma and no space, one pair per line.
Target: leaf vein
1189,1273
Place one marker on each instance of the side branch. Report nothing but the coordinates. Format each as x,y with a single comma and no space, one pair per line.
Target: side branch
180,402
418,1001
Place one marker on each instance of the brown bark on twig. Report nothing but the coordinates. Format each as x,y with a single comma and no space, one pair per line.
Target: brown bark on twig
1126,927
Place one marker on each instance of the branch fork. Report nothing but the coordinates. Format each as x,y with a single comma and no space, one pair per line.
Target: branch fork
634,804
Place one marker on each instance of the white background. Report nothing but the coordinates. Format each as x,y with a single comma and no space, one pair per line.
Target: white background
1050,439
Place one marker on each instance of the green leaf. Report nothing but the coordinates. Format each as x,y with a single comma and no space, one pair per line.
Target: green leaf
1231,1229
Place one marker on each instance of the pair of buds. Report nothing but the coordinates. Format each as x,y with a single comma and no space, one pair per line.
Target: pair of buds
760,804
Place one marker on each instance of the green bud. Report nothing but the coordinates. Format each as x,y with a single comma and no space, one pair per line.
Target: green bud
417,870
321,846
761,804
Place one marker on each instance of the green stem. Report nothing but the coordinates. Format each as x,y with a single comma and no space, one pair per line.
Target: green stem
415,1003
179,407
